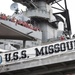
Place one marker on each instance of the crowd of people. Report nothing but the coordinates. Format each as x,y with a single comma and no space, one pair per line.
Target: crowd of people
19,22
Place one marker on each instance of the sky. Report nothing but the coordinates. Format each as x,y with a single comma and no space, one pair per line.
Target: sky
5,8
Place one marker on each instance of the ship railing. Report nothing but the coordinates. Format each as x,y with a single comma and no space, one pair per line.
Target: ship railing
38,13
53,40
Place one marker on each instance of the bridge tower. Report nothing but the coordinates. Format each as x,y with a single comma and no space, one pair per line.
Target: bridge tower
41,14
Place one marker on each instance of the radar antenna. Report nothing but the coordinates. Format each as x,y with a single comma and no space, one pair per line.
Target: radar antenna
14,7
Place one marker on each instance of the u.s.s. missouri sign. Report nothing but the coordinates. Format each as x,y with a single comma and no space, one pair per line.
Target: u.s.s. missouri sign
36,52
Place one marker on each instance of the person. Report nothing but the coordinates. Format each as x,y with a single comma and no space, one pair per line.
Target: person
62,38
73,36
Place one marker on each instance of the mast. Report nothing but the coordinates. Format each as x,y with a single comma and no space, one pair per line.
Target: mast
65,13
67,18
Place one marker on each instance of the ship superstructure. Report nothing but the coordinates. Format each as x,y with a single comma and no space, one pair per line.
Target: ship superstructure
47,50
38,19
41,15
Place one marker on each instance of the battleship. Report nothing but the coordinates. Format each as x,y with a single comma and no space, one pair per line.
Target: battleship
37,41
